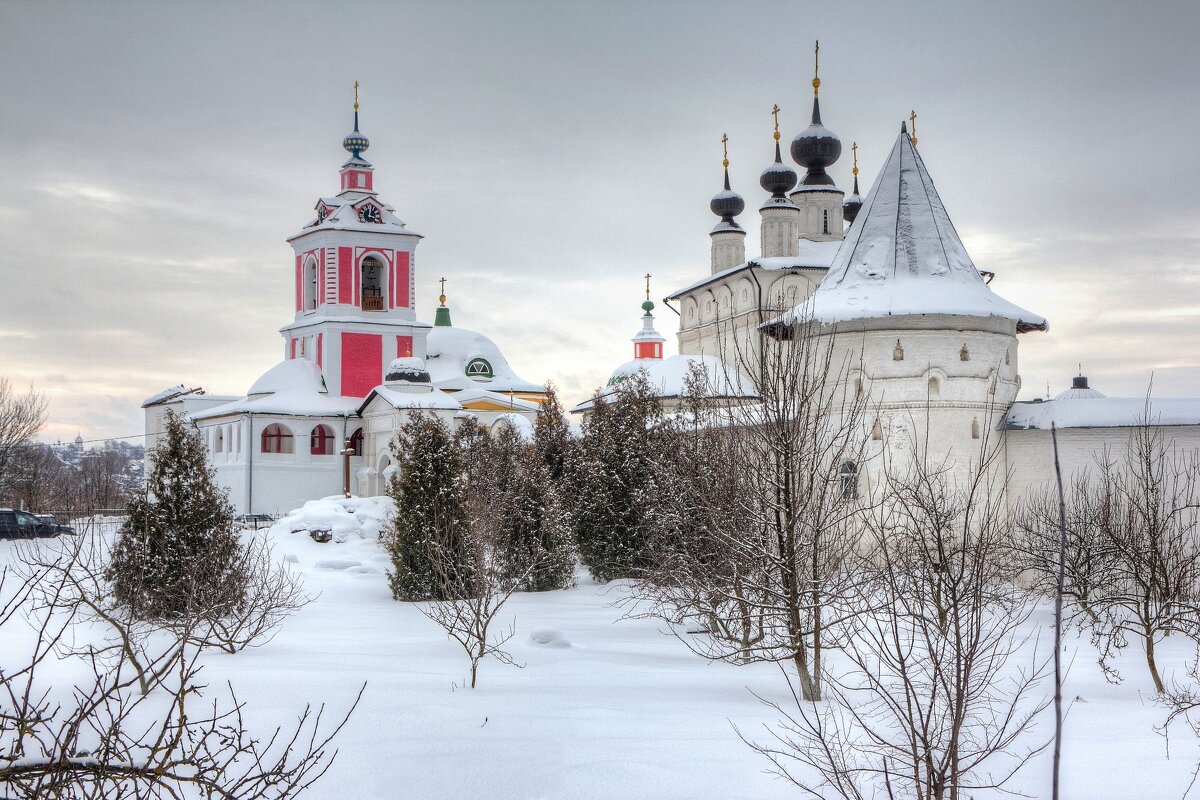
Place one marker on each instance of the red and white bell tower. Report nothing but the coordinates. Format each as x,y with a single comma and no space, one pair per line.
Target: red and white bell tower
648,343
355,275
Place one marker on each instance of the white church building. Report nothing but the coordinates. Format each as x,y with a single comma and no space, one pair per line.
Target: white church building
886,280
356,361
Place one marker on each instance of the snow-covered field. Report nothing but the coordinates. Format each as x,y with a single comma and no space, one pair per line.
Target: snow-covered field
603,708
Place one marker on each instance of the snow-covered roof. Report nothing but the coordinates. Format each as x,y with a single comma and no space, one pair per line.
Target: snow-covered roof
1102,412
668,377
411,396
903,257
166,395
293,374
811,255
294,388
449,351
1078,393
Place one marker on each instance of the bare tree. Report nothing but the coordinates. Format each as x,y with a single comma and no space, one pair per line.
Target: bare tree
932,702
130,721
1152,530
1088,559
768,493
21,417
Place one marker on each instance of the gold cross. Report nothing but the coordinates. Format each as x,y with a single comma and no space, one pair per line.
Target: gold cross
356,95
647,285
775,114
854,152
442,299
912,117
817,69
725,149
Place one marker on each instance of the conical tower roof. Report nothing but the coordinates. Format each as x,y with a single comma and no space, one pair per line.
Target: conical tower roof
903,257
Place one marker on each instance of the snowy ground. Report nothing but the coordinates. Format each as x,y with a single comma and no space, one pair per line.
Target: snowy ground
624,711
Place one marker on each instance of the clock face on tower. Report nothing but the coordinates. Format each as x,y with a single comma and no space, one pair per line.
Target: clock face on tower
369,213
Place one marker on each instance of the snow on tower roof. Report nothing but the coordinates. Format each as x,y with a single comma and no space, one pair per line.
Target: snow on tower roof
294,387
903,257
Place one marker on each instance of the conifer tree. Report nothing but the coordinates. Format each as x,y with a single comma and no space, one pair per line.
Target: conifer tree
618,478
552,434
431,552
177,554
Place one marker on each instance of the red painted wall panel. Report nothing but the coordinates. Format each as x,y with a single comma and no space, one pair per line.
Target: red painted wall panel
293,346
344,281
401,282
362,363
403,346
320,348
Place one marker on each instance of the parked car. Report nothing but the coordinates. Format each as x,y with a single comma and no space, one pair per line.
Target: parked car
55,526
254,521
16,524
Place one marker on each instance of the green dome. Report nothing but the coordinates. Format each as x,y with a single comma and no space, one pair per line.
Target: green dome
647,306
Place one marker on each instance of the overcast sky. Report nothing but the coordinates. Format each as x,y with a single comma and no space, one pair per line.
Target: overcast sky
155,156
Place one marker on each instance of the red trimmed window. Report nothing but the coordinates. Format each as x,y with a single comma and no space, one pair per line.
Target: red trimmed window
321,441
356,442
276,439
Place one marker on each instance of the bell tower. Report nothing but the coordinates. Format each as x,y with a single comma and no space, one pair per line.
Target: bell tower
355,271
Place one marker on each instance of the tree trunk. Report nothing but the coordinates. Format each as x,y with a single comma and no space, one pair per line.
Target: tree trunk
1150,662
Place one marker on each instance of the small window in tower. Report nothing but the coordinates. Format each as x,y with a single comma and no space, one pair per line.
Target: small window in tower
825,221
935,387
479,368
964,354
309,285
848,476
372,284
876,431
898,352
975,428
219,441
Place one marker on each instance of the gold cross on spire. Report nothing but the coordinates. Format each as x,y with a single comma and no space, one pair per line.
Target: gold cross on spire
442,281
356,95
817,69
775,114
647,285
725,150
854,152
912,117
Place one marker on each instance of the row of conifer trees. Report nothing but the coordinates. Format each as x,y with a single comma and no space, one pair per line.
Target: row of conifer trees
528,508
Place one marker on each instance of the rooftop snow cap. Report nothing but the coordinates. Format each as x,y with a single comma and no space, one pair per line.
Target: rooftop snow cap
407,370
1079,390
903,257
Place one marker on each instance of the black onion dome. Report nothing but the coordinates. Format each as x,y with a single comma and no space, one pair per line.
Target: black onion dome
779,178
816,148
853,204
727,203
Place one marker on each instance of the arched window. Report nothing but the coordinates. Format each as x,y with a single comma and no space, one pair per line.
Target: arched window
309,285
356,442
876,431
848,476
372,284
276,439
975,428
935,387
320,442
219,440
